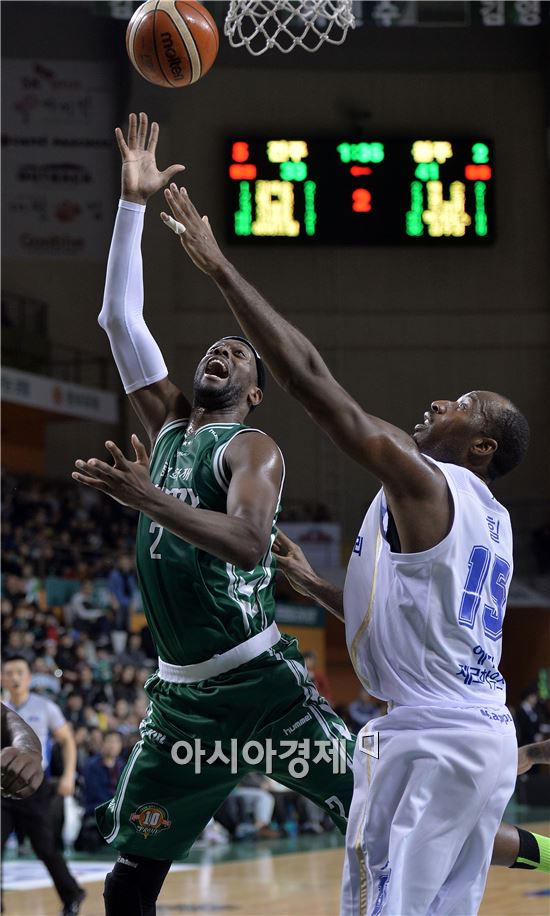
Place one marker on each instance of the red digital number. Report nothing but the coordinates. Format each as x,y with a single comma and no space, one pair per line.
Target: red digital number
240,151
361,201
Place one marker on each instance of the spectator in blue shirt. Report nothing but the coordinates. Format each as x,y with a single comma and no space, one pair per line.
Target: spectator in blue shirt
122,585
101,773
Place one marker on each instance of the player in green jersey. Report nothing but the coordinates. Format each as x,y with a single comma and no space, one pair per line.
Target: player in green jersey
231,694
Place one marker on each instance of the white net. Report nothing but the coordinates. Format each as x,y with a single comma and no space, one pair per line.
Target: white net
287,24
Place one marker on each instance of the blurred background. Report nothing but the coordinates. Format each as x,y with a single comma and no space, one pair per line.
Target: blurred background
398,324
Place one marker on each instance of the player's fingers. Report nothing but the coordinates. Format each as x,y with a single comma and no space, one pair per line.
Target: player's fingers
283,541
177,204
121,142
282,562
26,774
132,130
172,223
9,787
34,778
188,206
182,196
95,468
285,562
25,791
11,777
174,206
142,130
171,171
140,450
8,779
279,548
21,788
90,481
120,459
153,138
184,216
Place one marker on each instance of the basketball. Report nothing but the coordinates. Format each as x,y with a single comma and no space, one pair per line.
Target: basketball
172,43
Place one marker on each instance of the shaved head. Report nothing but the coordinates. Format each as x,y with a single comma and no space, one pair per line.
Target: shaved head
506,424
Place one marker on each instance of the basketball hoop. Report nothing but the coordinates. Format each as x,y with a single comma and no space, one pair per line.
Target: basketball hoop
287,24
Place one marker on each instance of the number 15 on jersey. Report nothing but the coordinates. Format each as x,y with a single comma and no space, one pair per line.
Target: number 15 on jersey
478,569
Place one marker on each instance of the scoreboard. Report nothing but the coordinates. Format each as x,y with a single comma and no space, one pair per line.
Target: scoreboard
344,191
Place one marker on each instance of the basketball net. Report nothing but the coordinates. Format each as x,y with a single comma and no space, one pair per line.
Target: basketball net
287,24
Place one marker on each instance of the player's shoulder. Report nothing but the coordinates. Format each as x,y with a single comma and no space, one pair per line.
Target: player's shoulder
249,441
475,504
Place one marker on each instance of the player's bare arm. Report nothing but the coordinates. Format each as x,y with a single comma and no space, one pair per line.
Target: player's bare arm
531,754
159,402
20,757
292,561
416,490
240,537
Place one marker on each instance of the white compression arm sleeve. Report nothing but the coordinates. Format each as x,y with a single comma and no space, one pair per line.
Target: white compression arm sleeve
136,353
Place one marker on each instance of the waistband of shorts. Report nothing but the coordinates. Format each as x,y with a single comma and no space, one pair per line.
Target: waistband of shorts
220,664
446,716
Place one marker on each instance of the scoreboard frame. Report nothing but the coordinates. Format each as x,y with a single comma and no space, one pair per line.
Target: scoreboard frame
381,190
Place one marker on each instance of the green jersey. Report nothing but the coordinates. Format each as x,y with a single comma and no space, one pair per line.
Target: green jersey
197,605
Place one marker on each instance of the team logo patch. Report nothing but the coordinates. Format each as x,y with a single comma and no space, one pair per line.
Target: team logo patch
150,820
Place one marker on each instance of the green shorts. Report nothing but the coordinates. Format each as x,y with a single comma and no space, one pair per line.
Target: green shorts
199,740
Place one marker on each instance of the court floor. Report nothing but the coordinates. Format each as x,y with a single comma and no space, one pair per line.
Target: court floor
286,878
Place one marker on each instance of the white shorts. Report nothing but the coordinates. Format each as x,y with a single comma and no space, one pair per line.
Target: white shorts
425,813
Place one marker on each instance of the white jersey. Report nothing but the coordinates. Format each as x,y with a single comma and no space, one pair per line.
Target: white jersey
424,629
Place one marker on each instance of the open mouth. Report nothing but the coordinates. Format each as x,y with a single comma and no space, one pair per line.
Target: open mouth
216,367
427,421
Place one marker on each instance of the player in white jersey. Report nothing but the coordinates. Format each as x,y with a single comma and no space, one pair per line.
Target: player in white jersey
424,604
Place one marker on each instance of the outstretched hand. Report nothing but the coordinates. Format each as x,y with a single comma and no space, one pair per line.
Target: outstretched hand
140,176
194,232
292,561
126,481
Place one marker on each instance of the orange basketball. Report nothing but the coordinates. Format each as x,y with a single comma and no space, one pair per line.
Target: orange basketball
172,43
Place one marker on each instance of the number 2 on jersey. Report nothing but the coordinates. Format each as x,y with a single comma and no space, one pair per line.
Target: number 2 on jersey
493,614
152,528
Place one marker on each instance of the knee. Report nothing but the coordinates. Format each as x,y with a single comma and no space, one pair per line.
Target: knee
121,894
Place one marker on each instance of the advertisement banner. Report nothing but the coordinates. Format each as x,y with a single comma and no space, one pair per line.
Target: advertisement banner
58,158
60,397
320,541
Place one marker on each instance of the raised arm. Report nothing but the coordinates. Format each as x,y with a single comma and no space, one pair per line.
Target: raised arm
138,358
241,536
416,489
